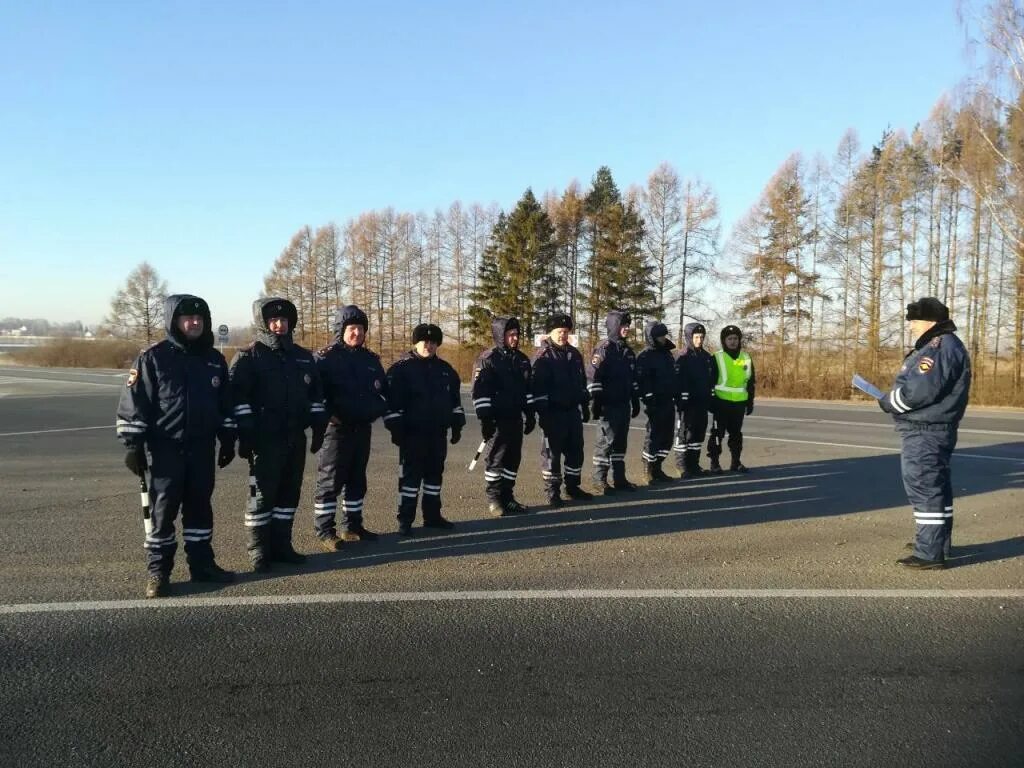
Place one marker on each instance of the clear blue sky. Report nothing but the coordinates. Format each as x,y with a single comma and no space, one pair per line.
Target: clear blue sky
201,135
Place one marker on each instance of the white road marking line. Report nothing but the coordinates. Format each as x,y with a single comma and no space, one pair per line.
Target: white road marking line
888,426
522,594
956,454
50,431
23,379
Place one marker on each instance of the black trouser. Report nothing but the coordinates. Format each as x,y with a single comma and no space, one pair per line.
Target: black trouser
341,465
278,463
690,430
658,437
610,450
181,477
503,459
421,461
728,418
563,436
924,461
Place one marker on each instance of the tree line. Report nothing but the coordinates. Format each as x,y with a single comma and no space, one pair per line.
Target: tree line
817,272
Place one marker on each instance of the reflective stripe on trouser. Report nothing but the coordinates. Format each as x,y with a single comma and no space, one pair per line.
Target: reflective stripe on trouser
563,437
279,461
729,418
691,428
504,455
341,464
658,436
927,479
610,450
181,477
421,462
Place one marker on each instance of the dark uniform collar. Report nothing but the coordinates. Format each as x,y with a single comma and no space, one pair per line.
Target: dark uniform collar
939,329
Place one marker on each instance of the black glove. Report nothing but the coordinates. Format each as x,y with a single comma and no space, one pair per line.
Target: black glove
456,434
487,428
585,411
397,433
245,447
135,460
597,409
635,410
531,423
750,407
226,454
316,439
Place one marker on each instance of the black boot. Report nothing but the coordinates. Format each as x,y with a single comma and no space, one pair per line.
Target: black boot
211,573
714,467
577,493
658,473
281,550
438,522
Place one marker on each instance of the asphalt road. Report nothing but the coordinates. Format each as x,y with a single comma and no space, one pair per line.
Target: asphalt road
734,620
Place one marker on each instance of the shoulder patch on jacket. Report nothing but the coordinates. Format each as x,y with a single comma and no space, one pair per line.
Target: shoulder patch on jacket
925,364
133,376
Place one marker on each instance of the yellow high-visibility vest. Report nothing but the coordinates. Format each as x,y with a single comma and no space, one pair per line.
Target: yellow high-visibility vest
733,375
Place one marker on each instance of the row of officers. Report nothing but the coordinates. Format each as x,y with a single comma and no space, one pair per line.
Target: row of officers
183,411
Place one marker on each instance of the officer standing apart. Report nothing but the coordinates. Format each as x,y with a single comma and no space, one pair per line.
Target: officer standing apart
502,397
424,402
927,402
562,402
355,389
734,398
659,390
176,401
277,394
611,378
695,369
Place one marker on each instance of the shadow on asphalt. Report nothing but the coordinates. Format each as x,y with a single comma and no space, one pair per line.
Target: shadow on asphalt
767,494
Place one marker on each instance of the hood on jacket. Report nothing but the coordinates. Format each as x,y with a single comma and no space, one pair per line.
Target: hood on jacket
691,328
186,304
654,329
349,315
614,321
502,325
265,309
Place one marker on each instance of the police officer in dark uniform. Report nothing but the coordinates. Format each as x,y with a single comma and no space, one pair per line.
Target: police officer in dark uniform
695,369
562,402
277,394
176,401
927,402
735,386
659,391
355,389
611,377
424,402
503,398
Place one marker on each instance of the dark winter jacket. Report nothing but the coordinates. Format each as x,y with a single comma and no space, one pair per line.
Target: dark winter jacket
178,390
559,379
934,383
696,372
501,377
274,381
611,374
655,368
423,395
355,385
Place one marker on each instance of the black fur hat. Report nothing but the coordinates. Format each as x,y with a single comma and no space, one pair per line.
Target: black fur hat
558,321
928,308
427,332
